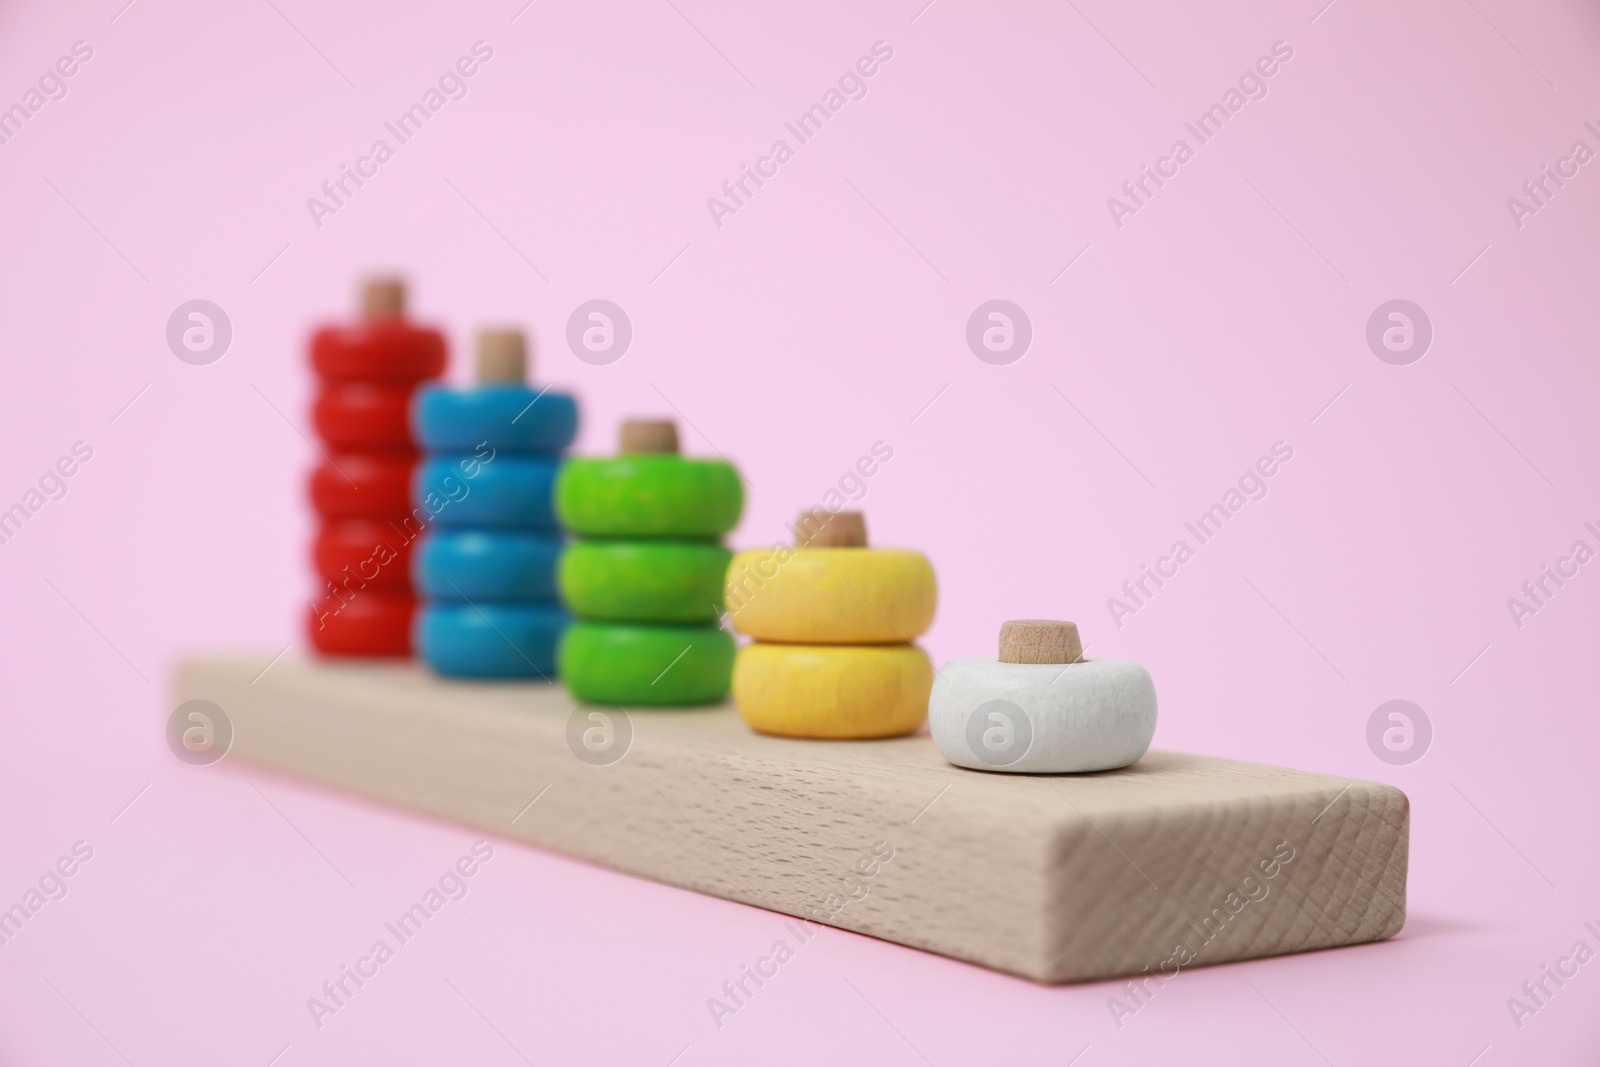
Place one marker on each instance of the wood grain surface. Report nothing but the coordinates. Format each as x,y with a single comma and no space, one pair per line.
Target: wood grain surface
1054,878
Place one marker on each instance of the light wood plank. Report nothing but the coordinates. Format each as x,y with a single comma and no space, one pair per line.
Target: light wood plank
1054,878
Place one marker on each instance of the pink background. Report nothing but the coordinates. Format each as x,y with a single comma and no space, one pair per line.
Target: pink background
822,317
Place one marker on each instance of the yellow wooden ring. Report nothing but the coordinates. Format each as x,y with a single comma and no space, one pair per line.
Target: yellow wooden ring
844,596
832,691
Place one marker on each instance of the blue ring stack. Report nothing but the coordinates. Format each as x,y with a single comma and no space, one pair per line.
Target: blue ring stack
486,568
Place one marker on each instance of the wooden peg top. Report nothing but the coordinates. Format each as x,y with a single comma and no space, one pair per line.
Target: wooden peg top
383,297
649,435
1039,641
502,356
820,528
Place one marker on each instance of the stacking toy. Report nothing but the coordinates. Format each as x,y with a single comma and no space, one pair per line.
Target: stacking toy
366,374
833,622
486,568
1042,708
646,573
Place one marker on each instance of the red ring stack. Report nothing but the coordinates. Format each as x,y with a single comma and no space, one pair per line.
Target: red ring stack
361,491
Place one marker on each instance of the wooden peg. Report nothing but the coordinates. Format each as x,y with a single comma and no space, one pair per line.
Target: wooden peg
383,297
649,435
502,356
1040,641
830,529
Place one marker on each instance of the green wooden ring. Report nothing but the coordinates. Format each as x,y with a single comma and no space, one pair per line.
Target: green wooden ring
644,581
634,664
649,495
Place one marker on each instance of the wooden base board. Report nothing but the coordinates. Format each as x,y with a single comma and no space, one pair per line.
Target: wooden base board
1177,861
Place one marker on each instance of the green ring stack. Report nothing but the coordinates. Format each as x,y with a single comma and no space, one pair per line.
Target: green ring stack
645,576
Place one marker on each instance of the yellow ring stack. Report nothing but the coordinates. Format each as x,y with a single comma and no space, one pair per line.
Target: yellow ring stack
833,622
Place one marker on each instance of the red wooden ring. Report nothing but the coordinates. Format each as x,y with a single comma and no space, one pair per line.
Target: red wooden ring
364,415
355,485
390,349
371,623
370,550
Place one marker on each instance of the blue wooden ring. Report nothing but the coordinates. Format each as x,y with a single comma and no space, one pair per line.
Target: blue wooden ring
507,490
508,417
490,640
486,565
